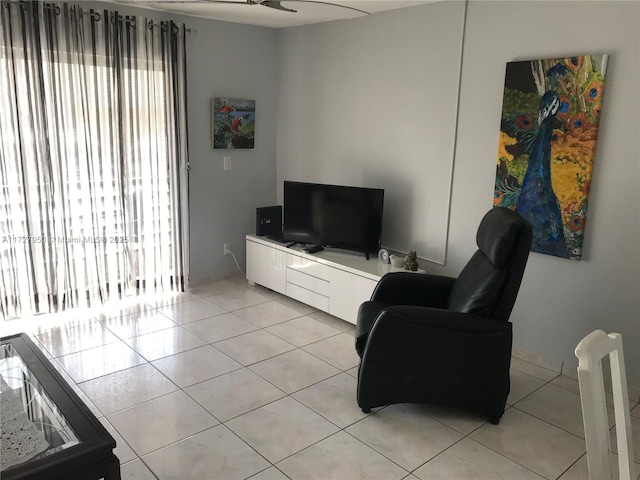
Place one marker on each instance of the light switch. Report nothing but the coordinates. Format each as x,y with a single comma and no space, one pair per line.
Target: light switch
227,163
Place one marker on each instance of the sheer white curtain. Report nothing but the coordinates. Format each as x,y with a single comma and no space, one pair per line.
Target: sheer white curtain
93,157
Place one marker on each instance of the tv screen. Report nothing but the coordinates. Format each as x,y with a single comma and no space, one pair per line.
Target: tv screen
333,215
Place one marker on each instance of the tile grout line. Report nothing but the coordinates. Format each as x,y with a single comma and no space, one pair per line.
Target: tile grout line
291,395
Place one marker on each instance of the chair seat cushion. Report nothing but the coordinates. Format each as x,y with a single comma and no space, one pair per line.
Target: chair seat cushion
367,315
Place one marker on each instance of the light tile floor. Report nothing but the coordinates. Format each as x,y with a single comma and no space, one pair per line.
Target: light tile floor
230,381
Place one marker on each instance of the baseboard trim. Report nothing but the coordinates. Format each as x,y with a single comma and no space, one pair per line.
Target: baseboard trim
539,359
200,279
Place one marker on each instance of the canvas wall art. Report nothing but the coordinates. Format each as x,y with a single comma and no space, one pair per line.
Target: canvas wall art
550,114
233,122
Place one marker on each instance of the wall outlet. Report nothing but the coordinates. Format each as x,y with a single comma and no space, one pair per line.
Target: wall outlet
227,248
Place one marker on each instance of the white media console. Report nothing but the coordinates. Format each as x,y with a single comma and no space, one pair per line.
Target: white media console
334,281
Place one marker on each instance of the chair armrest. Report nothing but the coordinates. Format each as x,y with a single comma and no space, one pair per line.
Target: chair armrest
404,288
424,336
426,355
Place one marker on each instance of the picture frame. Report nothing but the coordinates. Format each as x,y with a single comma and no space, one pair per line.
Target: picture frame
233,123
546,151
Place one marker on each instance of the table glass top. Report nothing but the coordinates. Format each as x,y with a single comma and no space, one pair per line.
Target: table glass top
32,425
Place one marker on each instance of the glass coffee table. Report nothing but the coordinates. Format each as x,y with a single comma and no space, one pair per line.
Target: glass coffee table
47,432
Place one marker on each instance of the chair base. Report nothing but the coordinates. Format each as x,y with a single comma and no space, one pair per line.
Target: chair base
494,420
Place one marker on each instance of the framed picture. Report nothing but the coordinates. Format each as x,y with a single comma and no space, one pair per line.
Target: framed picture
548,131
233,122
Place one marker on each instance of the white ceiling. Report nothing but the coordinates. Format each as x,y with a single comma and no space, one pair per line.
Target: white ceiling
307,12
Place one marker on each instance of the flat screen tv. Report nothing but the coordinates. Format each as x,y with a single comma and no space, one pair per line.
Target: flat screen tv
333,216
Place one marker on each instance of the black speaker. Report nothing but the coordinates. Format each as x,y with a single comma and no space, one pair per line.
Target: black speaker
269,222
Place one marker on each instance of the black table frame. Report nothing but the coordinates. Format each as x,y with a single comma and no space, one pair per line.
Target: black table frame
93,457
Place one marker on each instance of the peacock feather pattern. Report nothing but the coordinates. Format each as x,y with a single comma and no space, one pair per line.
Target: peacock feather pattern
537,201
551,110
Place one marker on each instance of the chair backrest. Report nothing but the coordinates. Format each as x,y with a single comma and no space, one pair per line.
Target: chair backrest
590,352
489,283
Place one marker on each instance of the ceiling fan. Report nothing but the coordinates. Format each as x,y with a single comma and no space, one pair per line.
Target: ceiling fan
275,4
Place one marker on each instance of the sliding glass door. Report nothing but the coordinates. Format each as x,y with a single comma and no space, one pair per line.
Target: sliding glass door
93,157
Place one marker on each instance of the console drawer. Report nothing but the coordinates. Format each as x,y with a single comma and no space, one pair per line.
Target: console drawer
303,295
308,267
308,282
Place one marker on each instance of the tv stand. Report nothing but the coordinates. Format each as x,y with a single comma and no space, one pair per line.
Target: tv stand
333,281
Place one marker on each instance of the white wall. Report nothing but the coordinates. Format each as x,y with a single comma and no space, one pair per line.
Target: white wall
560,300
228,60
372,102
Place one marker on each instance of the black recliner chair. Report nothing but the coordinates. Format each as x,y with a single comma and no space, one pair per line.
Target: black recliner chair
446,341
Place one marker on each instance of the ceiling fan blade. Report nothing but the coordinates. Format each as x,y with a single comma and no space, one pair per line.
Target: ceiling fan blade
277,5
328,3
195,2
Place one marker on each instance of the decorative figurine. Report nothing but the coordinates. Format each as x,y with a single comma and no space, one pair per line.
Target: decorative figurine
411,263
397,261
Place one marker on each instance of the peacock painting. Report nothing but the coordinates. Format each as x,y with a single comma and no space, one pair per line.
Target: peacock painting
550,115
